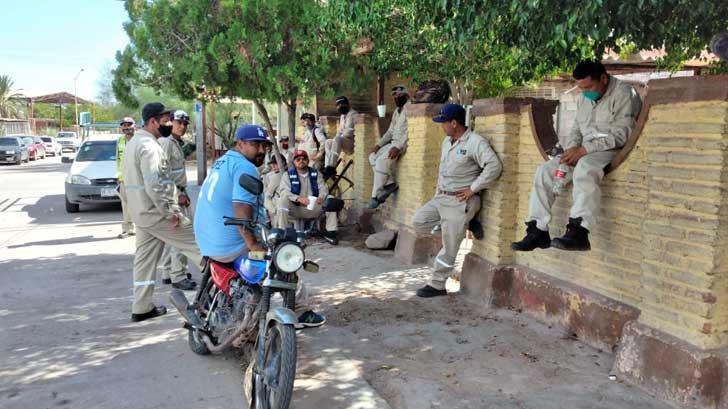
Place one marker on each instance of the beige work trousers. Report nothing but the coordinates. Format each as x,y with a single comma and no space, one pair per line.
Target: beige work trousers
453,217
382,167
288,210
127,226
150,242
173,264
334,146
587,175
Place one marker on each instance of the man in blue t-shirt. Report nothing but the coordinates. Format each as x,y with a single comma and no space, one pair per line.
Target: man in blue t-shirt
221,195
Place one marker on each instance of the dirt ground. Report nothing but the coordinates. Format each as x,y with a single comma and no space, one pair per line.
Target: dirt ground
446,352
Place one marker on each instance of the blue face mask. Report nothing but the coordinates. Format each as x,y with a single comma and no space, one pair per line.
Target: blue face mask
592,95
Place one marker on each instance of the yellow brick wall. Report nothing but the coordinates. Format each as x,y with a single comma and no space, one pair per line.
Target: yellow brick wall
366,136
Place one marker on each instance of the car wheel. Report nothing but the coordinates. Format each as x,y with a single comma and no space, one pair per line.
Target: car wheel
19,161
71,207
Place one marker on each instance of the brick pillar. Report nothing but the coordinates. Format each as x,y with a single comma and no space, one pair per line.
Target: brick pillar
367,135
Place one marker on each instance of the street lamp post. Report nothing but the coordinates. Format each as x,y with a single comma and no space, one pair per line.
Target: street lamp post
75,95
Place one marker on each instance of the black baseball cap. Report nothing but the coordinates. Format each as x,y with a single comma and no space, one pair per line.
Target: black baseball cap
153,109
307,115
342,100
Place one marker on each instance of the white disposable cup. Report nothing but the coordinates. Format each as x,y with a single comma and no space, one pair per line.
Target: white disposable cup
311,202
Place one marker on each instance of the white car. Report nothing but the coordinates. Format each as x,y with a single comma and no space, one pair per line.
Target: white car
69,141
93,174
52,147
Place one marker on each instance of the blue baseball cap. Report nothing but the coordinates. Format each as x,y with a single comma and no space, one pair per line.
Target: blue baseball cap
252,133
450,112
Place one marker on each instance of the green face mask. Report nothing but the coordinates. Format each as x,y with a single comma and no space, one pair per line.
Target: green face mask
592,95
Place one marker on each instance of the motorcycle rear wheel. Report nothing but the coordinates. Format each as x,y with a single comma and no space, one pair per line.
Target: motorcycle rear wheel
274,384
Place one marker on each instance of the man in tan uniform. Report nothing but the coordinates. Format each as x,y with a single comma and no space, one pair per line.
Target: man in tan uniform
299,186
314,140
606,114
174,262
127,128
344,138
271,182
389,149
158,217
468,165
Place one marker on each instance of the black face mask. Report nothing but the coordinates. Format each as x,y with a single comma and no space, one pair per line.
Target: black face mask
343,110
400,101
165,130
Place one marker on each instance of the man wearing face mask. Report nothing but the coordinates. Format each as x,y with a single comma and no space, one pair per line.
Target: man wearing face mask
127,129
344,138
174,262
606,114
158,216
468,165
314,140
389,149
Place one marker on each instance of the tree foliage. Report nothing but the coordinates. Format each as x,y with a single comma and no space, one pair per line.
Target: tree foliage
12,103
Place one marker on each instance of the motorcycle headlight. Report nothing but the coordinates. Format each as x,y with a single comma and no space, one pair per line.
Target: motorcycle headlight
79,180
288,258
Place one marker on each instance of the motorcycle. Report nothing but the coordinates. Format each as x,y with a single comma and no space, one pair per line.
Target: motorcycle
232,307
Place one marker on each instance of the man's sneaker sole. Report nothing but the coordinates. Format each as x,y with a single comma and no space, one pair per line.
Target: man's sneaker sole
514,247
302,325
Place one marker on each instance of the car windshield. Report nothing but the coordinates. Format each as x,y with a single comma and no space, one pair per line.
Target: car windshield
64,135
28,140
97,151
8,142
46,139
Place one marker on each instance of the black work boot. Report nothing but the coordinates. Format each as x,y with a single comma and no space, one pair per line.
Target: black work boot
476,228
576,237
534,239
328,172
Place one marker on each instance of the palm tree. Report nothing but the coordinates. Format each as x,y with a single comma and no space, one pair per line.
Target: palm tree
10,102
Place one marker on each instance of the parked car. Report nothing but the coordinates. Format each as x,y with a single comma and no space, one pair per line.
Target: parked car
69,141
36,149
93,175
13,150
51,146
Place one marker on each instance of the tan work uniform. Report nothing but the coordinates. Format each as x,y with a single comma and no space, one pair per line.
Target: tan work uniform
312,148
344,139
602,128
150,197
174,262
271,182
127,226
288,207
469,162
395,137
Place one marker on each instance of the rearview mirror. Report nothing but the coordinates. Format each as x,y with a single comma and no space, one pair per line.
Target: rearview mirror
332,204
251,184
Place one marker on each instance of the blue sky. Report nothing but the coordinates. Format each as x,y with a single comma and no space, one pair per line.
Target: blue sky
46,42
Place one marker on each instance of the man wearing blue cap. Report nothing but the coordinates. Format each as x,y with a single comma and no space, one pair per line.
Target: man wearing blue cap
158,217
468,165
221,195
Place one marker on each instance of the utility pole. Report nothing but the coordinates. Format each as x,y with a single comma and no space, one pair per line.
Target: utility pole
75,96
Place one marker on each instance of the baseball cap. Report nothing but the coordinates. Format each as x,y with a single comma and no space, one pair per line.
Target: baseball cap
342,100
153,109
180,115
450,112
283,138
300,152
399,88
252,133
127,120
307,115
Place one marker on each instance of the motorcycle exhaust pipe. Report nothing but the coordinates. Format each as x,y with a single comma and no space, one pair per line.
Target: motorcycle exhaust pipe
178,299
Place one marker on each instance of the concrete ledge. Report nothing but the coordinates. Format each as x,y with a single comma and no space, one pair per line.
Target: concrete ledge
413,248
672,369
585,314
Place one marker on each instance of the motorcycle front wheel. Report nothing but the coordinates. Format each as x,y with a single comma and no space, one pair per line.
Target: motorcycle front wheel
274,381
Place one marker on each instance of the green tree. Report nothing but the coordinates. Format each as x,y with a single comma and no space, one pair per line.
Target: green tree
12,103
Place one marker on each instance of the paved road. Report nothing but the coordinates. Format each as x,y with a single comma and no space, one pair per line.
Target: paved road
65,303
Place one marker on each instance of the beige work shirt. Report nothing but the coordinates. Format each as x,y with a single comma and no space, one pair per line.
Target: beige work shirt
346,125
607,123
149,188
309,145
397,133
469,162
271,182
285,187
176,160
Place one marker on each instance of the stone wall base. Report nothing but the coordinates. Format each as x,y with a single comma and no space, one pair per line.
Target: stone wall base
413,248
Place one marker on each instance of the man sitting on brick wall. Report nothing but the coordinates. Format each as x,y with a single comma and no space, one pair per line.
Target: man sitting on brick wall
606,114
468,165
389,149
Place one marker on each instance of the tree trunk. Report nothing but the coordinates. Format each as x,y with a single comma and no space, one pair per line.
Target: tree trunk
264,113
291,110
